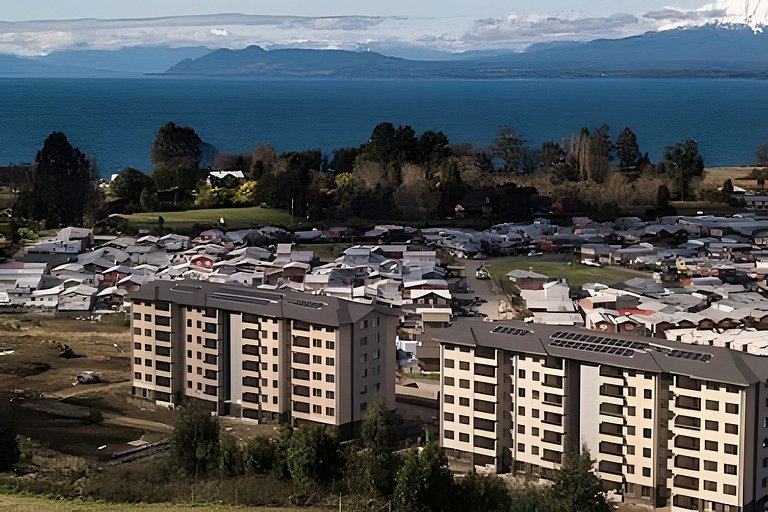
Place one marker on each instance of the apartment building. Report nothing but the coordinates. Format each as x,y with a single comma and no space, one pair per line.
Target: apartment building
672,426
265,355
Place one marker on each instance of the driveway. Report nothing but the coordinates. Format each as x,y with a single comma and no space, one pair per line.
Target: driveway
483,288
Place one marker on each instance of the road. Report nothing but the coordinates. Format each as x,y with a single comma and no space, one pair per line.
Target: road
483,288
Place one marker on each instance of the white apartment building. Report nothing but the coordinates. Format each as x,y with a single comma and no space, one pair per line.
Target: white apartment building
262,354
672,426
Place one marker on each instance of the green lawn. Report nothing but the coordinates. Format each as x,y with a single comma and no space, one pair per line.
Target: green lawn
19,503
557,266
235,218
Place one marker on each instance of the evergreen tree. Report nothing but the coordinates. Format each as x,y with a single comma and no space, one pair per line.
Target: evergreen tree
627,149
128,185
379,436
684,160
62,184
509,145
577,486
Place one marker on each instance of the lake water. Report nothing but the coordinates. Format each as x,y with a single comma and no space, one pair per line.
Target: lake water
116,119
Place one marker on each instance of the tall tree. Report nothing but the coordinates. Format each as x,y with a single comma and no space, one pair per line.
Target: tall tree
424,482
577,486
176,146
509,145
314,456
62,184
627,149
195,440
379,436
684,160
433,147
593,154
761,155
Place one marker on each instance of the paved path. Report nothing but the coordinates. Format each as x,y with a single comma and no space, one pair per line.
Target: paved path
483,288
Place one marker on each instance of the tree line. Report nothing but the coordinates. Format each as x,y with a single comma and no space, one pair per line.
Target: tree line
396,174
373,469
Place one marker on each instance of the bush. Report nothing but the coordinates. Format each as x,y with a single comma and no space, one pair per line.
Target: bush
314,456
195,440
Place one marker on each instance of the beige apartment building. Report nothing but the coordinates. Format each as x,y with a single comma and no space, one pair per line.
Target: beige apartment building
672,426
265,355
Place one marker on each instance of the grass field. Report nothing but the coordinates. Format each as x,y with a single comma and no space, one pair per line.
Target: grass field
18,503
235,218
557,266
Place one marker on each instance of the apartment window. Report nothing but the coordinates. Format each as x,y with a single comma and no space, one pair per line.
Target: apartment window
647,414
710,486
464,420
732,408
317,409
317,359
631,391
731,449
448,416
630,449
137,346
534,450
363,341
330,395
209,327
647,433
463,401
136,360
148,378
148,348
730,428
147,332
464,438
534,413
631,411
189,384
535,431
646,472
137,375
364,390
535,394
647,394
520,410
710,465
330,361
712,405
449,363
713,386
729,469
300,374
330,378
448,399
521,392
448,434
630,430
330,345
330,411
521,447
315,391
148,362
520,429
464,365
317,342
464,383
535,376
317,376
647,453
711,446
521,374
630,469
711,425
137,331
729,489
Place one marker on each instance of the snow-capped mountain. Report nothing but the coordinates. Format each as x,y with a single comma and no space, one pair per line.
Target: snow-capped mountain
749,12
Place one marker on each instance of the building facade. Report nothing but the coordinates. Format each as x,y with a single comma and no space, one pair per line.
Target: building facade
262,354
673,426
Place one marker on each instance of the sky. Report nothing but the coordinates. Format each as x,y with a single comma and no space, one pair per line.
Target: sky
405,28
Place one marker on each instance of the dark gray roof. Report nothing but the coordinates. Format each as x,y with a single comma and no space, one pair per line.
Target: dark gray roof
654,355
316,309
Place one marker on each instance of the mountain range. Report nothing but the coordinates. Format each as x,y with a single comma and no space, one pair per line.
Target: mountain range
714,50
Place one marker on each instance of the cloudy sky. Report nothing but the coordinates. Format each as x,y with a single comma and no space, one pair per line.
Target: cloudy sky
410,28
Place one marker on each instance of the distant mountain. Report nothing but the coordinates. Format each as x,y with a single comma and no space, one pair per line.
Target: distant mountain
720,50
139,60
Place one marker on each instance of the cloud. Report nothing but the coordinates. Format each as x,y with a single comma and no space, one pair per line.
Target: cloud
414,36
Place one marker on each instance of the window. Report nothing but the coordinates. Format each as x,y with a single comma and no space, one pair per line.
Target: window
317,376
710,465
329,361
647,394
710,486
463,365
137,346
647,453
730,428
535,376
647,433
330,395
330,411
712,405
464,383
729,489
521,447
731,449
729,469
448,399
464,401
520,429
630,449
448,416
330,378
711,425
448,381
464,438
448,434
535,394
315,391
711,446
330,345
449,363
520,410
732,408
521,374
631,411
647,414
646,472
317,342
521,392
317,409
137,331
534,450
534,413
464,420
317,360
631,391
162,336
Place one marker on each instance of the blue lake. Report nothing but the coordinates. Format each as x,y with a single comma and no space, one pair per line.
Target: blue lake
115,119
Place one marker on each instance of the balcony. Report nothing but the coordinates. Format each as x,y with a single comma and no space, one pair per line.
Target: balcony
685,502
611,448
611,371
612,390
688,402
686,482
300,358
251,366
688,422
552,399
553,381
484,406
553,419
613,468
301,341
485,370
552,437
612,410
552,456
687,443
611,429
684,462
